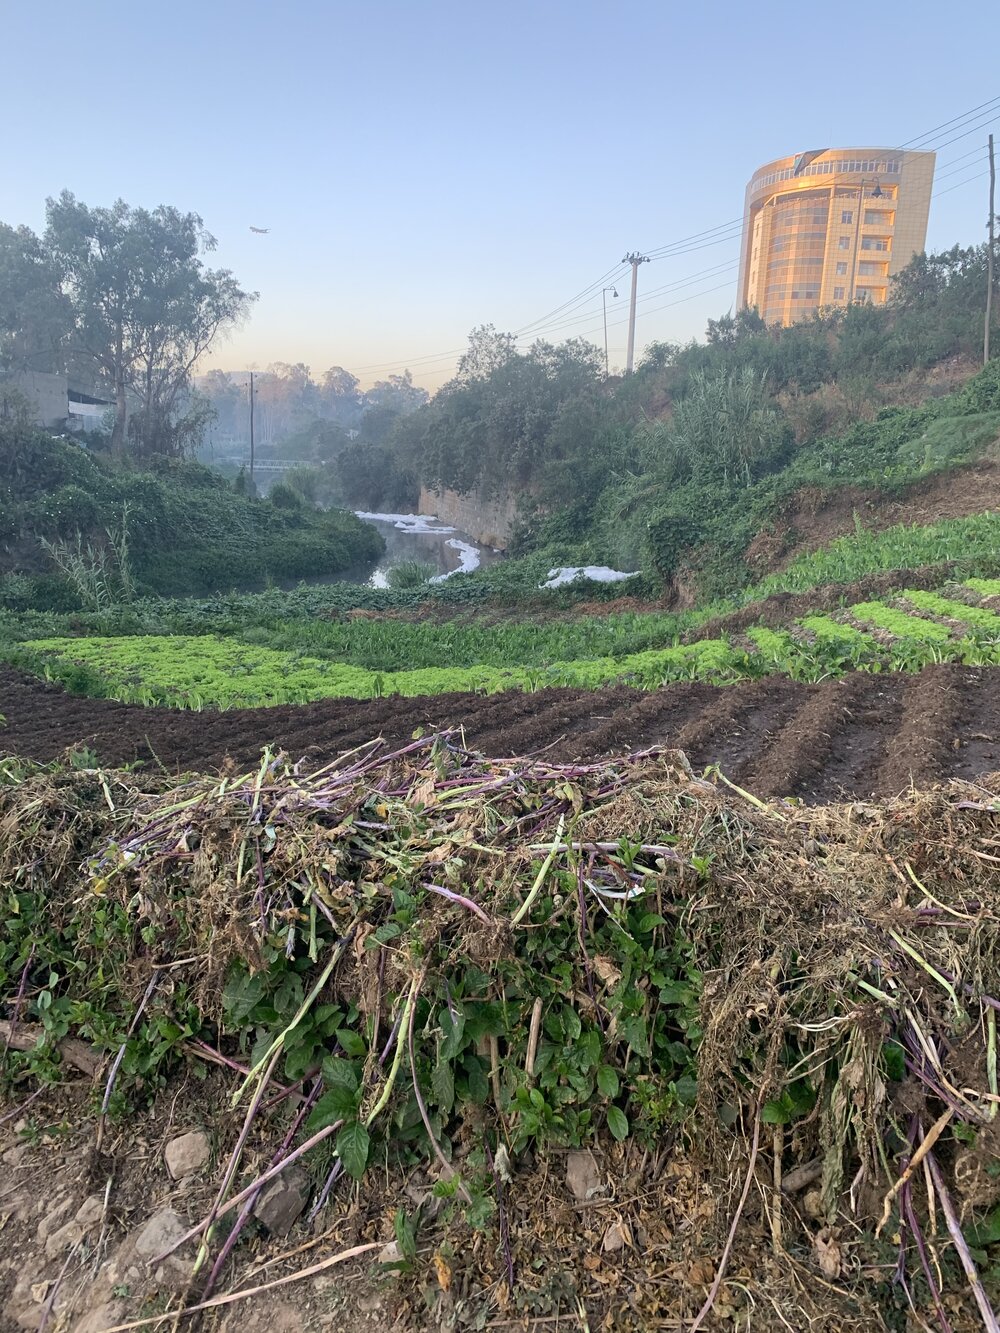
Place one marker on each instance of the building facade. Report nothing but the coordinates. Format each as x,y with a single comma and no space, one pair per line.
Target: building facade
832,226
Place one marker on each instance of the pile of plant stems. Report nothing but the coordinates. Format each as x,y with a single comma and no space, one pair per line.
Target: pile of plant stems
429,957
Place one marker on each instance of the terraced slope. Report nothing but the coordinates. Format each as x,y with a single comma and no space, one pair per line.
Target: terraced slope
864,734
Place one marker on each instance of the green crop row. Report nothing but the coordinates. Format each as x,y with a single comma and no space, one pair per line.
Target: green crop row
205,671
966,541
960,611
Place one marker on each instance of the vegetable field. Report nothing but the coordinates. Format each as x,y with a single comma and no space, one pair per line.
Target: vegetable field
904,632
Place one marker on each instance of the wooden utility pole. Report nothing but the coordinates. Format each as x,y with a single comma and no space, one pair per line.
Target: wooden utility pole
251,430
635,259
989,256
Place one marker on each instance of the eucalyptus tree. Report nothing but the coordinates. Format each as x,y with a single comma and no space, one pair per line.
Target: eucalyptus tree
145,308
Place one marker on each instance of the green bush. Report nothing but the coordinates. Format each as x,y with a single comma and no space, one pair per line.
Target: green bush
282,496
409,574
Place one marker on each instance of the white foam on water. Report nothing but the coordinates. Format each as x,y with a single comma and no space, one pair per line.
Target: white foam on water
468,559
598,573
407,522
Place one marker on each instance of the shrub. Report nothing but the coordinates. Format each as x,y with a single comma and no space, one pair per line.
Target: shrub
409,574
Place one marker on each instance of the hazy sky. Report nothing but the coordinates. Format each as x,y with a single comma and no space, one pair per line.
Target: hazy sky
427,167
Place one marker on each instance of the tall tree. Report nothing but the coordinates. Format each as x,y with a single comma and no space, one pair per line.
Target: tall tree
35,315
145,307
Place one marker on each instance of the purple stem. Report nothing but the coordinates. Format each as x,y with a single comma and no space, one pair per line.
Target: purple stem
458,898
248,1206
18,1001
319,1137
240,1069
116,1063
969,989
501,1217
392,1040
9,1115
336,1171
968,1264
910,1218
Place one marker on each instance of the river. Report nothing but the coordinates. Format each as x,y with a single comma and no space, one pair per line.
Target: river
416,537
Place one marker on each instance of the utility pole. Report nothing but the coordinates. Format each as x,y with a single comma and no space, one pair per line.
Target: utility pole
989,257
251,431
635,259
604,302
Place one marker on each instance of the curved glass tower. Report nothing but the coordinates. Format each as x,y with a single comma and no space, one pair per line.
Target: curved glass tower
831,226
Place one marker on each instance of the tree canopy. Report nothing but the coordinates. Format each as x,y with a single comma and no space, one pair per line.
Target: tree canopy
121,296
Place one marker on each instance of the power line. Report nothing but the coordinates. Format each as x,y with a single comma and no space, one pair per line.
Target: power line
705,239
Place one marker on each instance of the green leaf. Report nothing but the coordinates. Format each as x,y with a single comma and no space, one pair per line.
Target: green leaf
340,1073
443,1086
353,1144
335,1104
607,1081
634,1031
240,995
617,1123
453,1028
406,1233
685,1089
475,1074
571,1023
588,1049
351,1042
650,921
986,1232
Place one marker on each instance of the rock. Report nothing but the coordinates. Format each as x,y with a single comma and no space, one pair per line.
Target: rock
187,1154
101,1318
159,1233
90,1211
15,1156
582,1176
54,1218
68,1235
282,1201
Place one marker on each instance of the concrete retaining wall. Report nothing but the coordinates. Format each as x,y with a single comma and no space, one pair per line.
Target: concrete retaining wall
488,521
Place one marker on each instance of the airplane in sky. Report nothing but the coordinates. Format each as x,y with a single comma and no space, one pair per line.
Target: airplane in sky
260,231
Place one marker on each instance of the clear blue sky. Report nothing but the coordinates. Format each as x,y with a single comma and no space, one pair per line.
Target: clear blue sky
429,165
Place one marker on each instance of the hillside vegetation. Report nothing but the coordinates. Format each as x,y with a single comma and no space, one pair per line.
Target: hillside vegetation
172,528
681,465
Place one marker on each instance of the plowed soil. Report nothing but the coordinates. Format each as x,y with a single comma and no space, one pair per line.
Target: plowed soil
864,735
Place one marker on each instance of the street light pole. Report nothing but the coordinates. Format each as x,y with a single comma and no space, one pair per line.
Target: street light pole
876,194
604,302
635,259
251,431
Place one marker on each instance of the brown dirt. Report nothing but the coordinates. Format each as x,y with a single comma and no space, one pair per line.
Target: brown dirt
864,735
821,516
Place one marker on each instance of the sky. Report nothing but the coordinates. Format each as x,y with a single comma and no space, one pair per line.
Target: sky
427,166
